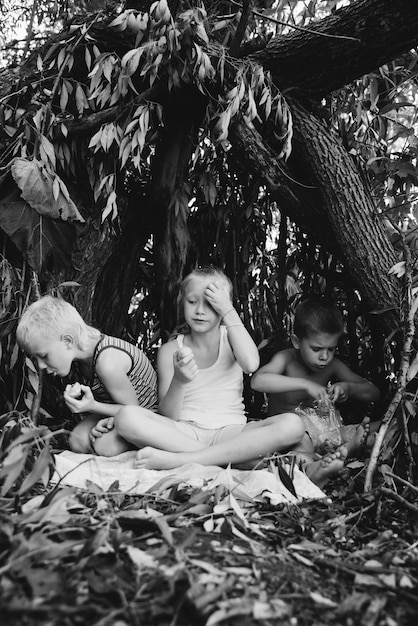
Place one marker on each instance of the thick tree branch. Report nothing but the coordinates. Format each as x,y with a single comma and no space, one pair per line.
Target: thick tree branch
89,123
350,208
257,157
314,65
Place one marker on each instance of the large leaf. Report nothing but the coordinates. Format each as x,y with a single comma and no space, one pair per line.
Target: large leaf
46,194
39,238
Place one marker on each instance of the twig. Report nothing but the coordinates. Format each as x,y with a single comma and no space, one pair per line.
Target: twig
53,609
303,29
29,36
402,481
240,31
362,569
36,404
399,499
407,442
411,308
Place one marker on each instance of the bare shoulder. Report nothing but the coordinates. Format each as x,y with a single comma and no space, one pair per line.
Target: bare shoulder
285,356
280,361
167,350
339,369
113,360
342,372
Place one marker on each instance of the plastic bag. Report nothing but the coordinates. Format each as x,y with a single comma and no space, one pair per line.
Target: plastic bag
323,423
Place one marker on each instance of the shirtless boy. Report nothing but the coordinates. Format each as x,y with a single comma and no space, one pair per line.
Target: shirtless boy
302,378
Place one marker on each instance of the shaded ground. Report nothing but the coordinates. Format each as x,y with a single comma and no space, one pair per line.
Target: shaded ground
187,557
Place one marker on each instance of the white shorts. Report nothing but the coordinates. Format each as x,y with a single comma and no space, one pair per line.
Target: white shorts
209,436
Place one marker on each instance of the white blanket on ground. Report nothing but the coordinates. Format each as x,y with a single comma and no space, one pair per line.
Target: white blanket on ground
78,469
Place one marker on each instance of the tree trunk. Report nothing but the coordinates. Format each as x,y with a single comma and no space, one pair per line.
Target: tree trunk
254,154
313,62
322,191
169,198
359,230
92,249
117,279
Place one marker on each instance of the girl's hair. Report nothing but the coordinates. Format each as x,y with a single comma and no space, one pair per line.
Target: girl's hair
316,315
49,319
205,271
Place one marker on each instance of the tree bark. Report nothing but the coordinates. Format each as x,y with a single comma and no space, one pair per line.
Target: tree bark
254,153
168,199
351,42
92,249
117,279
342,47
322,191
359,230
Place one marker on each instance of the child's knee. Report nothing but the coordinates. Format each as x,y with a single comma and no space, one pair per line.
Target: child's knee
110,444
78,441
294,427
123,420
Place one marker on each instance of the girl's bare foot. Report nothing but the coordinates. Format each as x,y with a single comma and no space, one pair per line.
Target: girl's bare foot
320,471
153,458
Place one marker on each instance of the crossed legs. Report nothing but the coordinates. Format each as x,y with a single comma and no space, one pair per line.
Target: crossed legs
109,444
166,447
163,446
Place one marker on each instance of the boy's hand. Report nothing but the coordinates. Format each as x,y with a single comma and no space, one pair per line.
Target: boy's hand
315,391
217,295
74,391
103,426
83,404
339,392
185,368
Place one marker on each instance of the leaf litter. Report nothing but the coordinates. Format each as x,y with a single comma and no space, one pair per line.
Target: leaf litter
180,556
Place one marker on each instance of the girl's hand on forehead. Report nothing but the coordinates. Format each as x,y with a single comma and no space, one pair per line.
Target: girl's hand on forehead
217,294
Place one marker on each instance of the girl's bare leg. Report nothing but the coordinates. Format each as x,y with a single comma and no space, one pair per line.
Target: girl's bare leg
273,434
142,427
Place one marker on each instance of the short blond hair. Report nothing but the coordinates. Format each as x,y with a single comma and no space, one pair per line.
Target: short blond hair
205,271
50,318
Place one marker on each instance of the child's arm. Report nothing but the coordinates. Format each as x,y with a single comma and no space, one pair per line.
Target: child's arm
271,379
175,370
112,367
351,386
243,347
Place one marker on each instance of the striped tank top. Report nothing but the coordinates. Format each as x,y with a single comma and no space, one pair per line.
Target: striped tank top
141,373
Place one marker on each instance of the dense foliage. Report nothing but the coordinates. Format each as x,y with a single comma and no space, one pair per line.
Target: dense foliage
127,134
118,159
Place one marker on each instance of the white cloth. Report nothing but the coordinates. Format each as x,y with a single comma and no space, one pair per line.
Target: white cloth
79,470
213,399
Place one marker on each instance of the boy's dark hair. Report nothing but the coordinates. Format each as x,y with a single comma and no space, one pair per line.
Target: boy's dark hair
317,315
